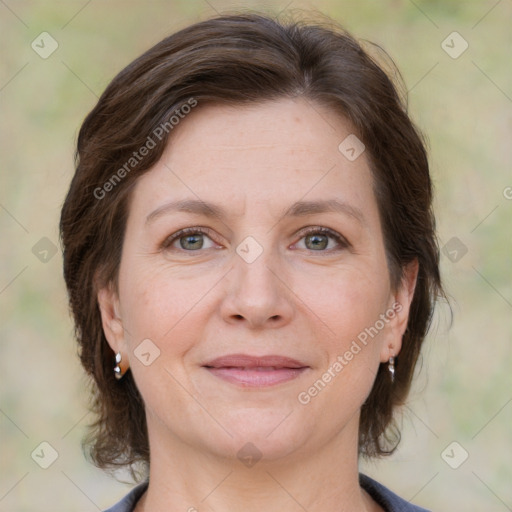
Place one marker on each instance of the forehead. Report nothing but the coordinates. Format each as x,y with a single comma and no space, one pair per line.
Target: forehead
294,126
266,154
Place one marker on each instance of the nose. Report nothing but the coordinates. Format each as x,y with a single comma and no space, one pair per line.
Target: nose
257,294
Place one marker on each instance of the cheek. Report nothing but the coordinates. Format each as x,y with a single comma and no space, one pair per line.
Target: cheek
346,301
157,303
350,306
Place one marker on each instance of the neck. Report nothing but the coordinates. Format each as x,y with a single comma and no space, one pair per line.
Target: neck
186,478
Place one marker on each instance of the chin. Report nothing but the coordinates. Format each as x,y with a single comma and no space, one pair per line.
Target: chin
266,435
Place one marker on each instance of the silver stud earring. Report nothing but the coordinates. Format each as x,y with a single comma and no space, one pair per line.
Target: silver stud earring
391,368
117,369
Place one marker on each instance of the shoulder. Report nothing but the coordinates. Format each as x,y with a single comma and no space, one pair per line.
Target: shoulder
127,504
386,498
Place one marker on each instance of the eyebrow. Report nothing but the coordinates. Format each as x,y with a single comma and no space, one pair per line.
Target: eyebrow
297,209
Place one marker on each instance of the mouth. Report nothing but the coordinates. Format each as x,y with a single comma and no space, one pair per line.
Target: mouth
260,371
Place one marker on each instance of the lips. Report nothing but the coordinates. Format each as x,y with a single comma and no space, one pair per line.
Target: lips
255,371
245,361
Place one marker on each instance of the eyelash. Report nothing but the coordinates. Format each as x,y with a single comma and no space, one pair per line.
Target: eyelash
166,245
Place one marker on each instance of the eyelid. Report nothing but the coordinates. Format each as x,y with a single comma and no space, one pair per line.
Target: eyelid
340,239
169,240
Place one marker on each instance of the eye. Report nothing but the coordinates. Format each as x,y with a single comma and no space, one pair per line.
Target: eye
189,239
317,239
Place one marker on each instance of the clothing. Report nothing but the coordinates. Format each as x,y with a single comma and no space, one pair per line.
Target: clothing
388,500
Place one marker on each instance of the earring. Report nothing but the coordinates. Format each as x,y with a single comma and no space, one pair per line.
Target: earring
391,368
117,368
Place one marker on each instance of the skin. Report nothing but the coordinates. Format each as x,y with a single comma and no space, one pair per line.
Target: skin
295,299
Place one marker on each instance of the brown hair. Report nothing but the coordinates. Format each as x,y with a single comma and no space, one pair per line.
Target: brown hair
237,59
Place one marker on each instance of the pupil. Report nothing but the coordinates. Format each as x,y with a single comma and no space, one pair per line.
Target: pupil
192,239
318,241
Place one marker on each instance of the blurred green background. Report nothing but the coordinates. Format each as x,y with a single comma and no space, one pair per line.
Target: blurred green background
461,101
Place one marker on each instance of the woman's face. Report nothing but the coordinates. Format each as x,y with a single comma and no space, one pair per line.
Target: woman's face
283,259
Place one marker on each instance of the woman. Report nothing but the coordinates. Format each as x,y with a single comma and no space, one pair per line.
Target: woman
251,260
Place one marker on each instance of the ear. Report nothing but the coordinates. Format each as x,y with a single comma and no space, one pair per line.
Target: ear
399,308
112,322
